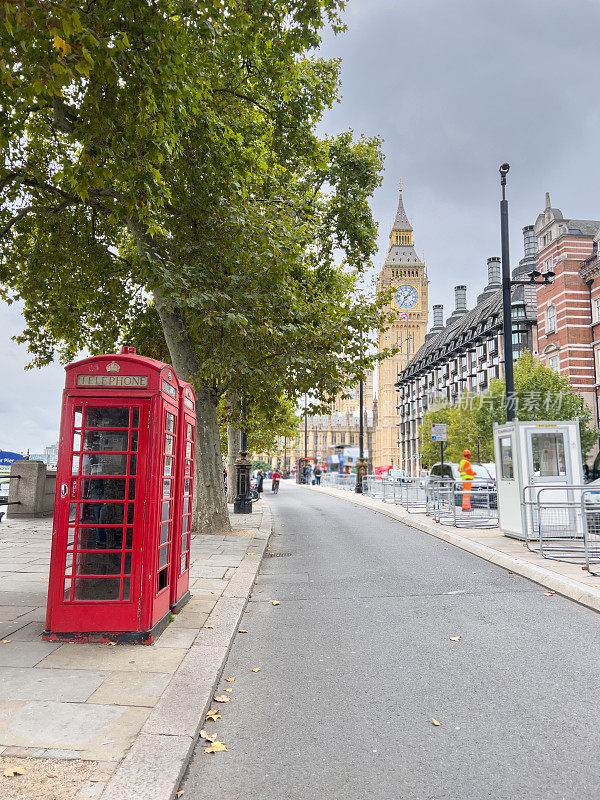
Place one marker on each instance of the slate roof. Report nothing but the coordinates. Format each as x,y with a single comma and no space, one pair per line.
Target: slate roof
477,323
401,222
587,227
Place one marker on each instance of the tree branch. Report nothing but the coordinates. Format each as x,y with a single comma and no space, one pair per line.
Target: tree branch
244,97
22,213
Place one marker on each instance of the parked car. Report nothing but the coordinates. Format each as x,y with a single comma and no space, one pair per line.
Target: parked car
483,483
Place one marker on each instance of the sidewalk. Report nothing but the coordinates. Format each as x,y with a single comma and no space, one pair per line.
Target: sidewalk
117,721
569,580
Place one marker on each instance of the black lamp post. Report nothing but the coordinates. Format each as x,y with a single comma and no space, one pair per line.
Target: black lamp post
361,464
506,300
243,499
507,285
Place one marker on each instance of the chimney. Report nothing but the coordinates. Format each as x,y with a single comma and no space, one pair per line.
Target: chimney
438,322
460,295
494,273
528,262
530,241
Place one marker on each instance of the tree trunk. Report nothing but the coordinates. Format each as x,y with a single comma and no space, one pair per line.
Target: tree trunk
233,449
210,507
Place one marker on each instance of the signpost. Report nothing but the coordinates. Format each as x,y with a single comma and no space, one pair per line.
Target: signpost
439,433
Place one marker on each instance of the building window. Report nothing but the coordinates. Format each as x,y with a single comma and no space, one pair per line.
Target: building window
548,265
553,363
551,319
596,309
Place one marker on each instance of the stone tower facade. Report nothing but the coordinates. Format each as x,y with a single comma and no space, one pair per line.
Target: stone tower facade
405,273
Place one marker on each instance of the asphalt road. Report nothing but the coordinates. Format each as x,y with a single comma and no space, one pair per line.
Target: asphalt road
357,659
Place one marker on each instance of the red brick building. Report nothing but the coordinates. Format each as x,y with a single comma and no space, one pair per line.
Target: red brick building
569,309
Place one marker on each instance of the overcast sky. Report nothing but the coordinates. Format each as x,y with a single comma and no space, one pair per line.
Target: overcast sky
454,89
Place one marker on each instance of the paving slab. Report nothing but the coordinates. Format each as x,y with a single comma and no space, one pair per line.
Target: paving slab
96,732
128,658
131,689
59,685
25,654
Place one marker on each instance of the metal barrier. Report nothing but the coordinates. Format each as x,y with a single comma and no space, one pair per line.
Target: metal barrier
337,481
554,521
590,509
440,499
413,494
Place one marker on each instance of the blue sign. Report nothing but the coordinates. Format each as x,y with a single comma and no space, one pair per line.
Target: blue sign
7,458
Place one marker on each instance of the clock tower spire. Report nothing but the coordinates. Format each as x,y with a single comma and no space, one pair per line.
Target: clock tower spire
404,273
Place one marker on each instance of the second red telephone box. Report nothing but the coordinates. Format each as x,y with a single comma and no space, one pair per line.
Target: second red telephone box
116,511
182,537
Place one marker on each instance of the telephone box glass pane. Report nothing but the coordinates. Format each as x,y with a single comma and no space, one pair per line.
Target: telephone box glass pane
132,465
188,450
76,442
128,538
165,511
105,464
106,440
135,418
190,432
126,588
186,505
163,555
164,532
170,425
168,444
100,539
548,453
162,579
97,589
104,513
75,466
168,466
131,489
103,489
78,417
134,441
67,590
167,488
98,564
106,417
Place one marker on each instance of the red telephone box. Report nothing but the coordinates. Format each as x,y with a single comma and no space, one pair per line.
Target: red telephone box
115,515
182,537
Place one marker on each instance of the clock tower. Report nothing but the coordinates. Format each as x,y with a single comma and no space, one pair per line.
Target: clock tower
403,272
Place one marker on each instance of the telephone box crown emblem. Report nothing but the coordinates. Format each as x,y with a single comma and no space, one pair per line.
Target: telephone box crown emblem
113,367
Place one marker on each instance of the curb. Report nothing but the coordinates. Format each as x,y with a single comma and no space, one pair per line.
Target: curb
587,596
156,762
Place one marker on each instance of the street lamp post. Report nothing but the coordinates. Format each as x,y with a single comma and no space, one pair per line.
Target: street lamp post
243,500
535,279
361,464
506,300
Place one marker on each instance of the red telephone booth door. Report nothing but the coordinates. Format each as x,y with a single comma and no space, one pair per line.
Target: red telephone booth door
185,487
100,502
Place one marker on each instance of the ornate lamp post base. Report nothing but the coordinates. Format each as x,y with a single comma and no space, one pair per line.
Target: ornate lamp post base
243,500
361,471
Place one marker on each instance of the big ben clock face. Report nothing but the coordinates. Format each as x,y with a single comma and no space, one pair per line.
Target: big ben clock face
406,297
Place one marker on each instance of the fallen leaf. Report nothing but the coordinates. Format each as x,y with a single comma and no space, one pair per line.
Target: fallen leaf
210,737
179,793
230,680
455,638
247,611
241,630
213,716
216,747
510,573
111,644
255,669
51,775
44,578
229,689
214,593
222,699
435,722
250,554
12,772
446,548
274,602
5,641
210,627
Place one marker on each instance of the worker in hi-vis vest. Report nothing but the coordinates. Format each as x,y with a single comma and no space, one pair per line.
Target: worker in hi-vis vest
466,475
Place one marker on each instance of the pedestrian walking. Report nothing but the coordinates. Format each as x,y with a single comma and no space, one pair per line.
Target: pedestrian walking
259,481
317,474
275,478
466,475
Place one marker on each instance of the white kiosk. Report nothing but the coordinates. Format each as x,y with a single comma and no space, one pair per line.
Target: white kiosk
541,455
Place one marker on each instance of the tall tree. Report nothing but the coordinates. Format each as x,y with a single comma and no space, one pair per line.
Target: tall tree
162,185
